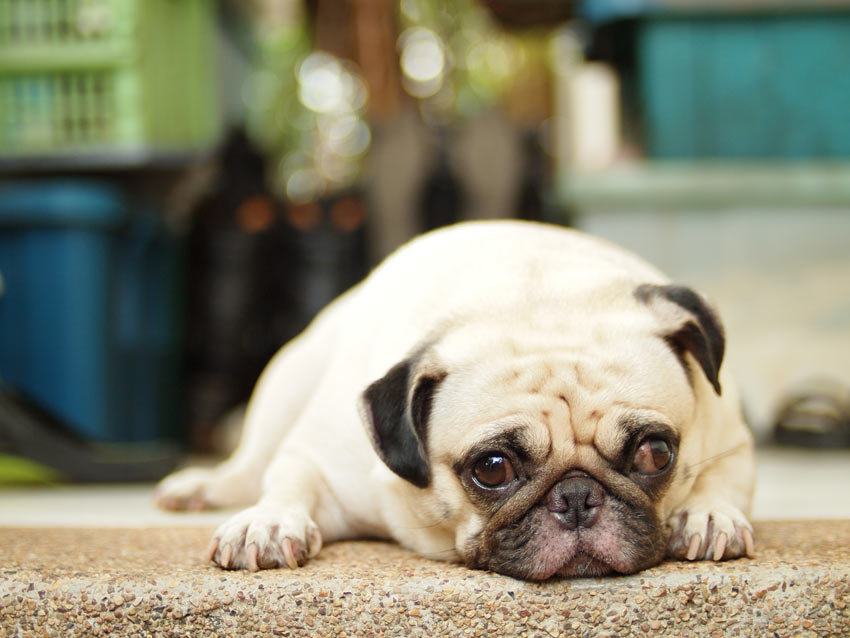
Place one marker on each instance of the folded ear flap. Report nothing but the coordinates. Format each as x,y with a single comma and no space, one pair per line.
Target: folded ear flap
396,409
692,326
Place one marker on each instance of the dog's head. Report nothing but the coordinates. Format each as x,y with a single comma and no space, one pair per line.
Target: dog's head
553,443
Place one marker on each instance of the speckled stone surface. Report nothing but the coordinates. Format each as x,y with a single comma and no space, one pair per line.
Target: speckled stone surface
153,582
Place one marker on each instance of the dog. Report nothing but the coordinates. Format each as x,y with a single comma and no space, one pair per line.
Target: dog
520,397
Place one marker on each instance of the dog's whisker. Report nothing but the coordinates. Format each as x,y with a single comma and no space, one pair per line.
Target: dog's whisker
434,525
436,554
586,569
711,459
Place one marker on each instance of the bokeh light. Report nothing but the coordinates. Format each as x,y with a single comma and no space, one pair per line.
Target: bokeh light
423,61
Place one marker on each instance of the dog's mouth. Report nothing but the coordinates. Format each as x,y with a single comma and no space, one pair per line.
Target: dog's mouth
538,548
580,554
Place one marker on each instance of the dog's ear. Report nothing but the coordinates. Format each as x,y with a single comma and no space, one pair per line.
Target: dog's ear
691,325
396,409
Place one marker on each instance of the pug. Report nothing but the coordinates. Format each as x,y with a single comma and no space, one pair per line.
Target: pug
519,397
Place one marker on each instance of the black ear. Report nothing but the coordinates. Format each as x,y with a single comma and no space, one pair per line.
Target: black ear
698,330
397,407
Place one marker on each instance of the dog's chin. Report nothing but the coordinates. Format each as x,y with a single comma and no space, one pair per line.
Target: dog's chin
583,565
581,555
546,550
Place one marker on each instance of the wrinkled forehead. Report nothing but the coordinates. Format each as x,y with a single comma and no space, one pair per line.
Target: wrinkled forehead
565,398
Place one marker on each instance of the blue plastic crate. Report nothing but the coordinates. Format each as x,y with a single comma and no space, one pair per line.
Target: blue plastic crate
88,314
749,79
745,86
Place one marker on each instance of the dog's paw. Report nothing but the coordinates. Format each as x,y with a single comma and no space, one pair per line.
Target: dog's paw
264,537
712,532
205,488
185,490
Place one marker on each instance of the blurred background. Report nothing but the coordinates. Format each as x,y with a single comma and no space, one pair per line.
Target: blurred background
185,183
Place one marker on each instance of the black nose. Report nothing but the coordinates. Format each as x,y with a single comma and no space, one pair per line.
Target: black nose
576,501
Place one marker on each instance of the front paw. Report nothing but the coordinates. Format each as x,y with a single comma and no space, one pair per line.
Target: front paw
709,532
265,537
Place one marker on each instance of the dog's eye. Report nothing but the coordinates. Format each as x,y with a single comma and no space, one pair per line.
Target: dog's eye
492,471
652,456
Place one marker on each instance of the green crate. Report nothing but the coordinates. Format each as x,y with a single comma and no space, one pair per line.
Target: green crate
84,77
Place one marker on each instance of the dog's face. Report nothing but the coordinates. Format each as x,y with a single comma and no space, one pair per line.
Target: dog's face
554,449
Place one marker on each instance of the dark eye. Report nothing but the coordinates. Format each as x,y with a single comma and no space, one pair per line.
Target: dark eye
492,471
652,456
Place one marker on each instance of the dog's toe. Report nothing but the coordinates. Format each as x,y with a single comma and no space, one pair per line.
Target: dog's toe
262,537
712,533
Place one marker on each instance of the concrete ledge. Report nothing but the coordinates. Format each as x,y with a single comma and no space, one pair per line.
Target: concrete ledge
153,582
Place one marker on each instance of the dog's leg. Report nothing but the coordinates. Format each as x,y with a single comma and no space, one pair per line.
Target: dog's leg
712,524
281,529
283,390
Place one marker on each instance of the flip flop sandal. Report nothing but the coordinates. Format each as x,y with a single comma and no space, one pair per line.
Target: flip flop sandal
815,415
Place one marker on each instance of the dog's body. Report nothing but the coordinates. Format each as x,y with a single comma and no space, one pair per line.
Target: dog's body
520,397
